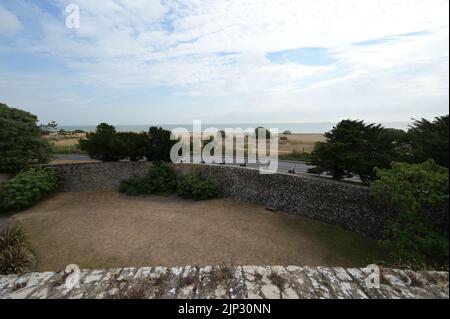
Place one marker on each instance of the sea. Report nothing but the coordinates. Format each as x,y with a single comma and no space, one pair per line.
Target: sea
299,128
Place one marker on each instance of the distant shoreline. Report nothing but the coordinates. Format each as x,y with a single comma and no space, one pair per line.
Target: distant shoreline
295,128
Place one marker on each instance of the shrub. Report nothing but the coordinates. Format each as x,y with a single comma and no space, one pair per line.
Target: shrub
21,141
194,187
15,254
103,144
419,232
13,237
29,186
160,179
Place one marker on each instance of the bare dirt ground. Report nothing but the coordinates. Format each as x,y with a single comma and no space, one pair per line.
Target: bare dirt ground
107,229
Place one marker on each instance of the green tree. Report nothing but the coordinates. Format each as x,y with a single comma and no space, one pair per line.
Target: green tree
104,144
353,148
429,140
49,127
381,146
52,125
133,145
21,142
158,144
420,193
263,131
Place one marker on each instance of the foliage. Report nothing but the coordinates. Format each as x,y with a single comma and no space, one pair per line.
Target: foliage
194,187
263,131
133,186
107,145
163,179
15,254
52,125
355,148
46,129
429,140
420,193
27,187
158,144
160,179
21,142
13,237
132,145
103,144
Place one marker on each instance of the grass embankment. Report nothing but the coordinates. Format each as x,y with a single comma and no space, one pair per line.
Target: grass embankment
295,156
67,149
66,144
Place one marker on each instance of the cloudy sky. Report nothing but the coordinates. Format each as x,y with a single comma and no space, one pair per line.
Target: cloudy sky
172,61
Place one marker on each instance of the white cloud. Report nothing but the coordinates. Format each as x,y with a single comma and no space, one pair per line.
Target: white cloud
125,44
9,24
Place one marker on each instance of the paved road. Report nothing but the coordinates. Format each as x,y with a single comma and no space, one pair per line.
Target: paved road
283,166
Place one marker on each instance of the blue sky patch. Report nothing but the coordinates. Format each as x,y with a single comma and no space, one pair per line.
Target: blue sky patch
305,56
391,38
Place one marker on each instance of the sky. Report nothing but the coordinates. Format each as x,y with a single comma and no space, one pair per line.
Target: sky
227,61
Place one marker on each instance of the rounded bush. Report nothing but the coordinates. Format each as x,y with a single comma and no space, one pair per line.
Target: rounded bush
195,187
27,187
160,179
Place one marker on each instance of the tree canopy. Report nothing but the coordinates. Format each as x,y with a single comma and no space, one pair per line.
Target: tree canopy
106,144
21,141
429,140
353,148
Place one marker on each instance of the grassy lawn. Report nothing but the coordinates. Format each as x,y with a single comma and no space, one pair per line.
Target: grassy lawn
295,156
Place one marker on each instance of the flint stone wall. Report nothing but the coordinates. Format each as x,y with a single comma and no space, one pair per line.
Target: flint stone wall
221,282
346,205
